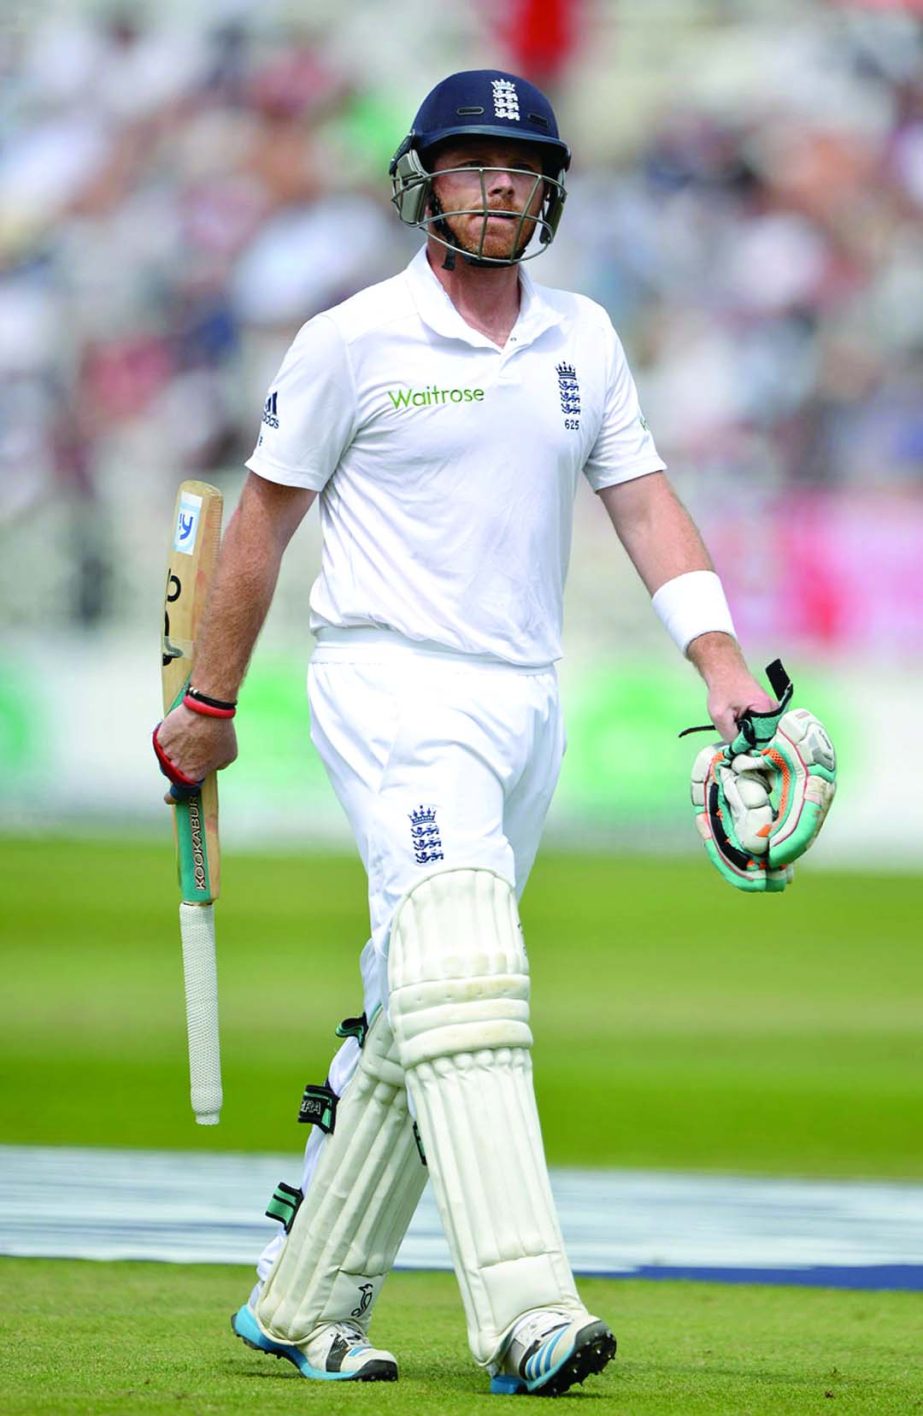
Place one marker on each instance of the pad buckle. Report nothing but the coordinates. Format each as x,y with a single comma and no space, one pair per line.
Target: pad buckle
284,1205
354,1027
318,1107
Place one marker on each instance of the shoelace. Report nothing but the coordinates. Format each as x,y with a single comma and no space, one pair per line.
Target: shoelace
536,1327
351,1332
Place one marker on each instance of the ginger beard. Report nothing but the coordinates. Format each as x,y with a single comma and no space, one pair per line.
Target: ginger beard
490,210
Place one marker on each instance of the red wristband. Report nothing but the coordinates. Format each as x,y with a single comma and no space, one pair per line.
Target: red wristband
207,709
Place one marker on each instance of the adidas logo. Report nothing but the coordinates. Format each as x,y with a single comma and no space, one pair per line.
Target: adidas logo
270,412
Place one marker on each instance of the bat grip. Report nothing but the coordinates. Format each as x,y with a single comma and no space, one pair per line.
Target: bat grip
197,929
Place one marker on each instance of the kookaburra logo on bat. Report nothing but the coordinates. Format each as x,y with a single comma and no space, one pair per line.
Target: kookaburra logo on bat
174,590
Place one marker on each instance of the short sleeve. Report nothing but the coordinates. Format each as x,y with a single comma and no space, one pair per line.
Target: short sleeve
624,448
309,415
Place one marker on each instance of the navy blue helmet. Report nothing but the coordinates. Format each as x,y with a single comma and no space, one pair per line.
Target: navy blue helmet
479,103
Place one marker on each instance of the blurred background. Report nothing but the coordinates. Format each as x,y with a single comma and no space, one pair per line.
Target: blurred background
183,184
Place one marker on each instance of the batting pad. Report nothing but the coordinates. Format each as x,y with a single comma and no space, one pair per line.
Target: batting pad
362,1197
459,1006
197,930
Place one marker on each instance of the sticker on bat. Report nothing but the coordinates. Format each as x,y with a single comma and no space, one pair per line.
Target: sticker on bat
187,523
174,590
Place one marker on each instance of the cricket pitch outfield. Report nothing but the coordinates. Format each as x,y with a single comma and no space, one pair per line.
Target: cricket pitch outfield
678,1026
111,1339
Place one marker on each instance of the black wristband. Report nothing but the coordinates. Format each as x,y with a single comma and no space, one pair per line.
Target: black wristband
210,702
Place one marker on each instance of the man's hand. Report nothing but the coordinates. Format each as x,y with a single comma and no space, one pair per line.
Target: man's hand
196,745
732,689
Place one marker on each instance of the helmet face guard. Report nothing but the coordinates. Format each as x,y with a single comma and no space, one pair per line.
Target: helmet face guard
418,205
482,103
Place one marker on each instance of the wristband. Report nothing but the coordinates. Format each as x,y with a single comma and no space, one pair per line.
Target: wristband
208,707
208,710
693,604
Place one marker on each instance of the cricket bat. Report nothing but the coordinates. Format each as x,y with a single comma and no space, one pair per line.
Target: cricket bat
190,567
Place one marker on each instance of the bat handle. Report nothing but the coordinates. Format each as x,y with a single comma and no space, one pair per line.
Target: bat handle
181,793
197,929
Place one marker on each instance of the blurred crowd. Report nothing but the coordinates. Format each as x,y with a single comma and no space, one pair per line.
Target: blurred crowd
174,202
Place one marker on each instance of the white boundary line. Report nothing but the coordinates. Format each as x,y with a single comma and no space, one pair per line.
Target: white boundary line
185,1207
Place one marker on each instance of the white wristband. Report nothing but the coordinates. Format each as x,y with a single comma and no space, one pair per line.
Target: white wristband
693,604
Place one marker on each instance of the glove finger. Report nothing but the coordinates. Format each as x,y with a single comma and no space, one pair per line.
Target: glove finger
804,761
748,801
715,824
748,762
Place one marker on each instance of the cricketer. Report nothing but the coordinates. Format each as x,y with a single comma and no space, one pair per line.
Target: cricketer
442,419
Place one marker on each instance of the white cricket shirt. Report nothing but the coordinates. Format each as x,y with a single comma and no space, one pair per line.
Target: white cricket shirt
447,467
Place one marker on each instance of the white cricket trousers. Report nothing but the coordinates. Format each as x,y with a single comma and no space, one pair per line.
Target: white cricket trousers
441,761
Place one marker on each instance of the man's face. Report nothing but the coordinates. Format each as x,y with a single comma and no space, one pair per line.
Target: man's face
510,185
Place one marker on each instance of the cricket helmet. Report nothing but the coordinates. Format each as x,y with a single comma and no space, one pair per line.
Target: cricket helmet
479,103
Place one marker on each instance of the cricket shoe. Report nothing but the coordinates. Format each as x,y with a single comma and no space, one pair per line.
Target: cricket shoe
548,1352
335,1352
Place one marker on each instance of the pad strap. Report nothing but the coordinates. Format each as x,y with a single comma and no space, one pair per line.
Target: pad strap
354,1027
284,1204
318,1107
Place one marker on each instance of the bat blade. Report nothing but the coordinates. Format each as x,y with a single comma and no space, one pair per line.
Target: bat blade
190,569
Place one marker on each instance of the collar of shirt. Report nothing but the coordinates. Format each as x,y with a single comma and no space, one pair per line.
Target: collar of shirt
437,311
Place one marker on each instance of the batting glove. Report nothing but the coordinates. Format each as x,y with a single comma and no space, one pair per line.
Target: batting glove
761,800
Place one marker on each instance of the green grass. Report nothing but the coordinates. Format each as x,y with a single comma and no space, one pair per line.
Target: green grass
107,1339
678,1024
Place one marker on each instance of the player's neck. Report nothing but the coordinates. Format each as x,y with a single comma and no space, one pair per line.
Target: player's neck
487,299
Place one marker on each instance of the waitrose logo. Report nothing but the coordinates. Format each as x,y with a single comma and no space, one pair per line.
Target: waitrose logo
432,394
